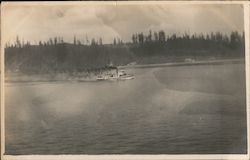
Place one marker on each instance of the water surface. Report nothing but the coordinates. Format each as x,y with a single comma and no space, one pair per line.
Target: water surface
171,110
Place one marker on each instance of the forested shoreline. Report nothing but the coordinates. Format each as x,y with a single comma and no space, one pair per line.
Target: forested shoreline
55,55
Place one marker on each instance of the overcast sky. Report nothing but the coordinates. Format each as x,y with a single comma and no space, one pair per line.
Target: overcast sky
36,23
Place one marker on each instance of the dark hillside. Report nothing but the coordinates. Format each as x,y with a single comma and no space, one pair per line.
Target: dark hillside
144,49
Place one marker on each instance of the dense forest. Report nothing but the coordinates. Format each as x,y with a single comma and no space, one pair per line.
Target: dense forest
152,47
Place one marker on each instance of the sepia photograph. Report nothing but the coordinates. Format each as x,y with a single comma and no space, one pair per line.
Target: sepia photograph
124,78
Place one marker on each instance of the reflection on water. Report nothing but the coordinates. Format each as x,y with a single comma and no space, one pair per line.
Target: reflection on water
151,114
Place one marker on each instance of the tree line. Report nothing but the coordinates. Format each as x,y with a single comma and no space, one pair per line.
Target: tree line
152,47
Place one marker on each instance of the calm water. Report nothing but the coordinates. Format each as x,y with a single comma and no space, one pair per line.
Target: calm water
194,109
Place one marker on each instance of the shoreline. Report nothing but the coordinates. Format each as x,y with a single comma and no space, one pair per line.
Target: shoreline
173,64
58,77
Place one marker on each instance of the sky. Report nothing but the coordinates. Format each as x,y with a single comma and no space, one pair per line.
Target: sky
40,22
